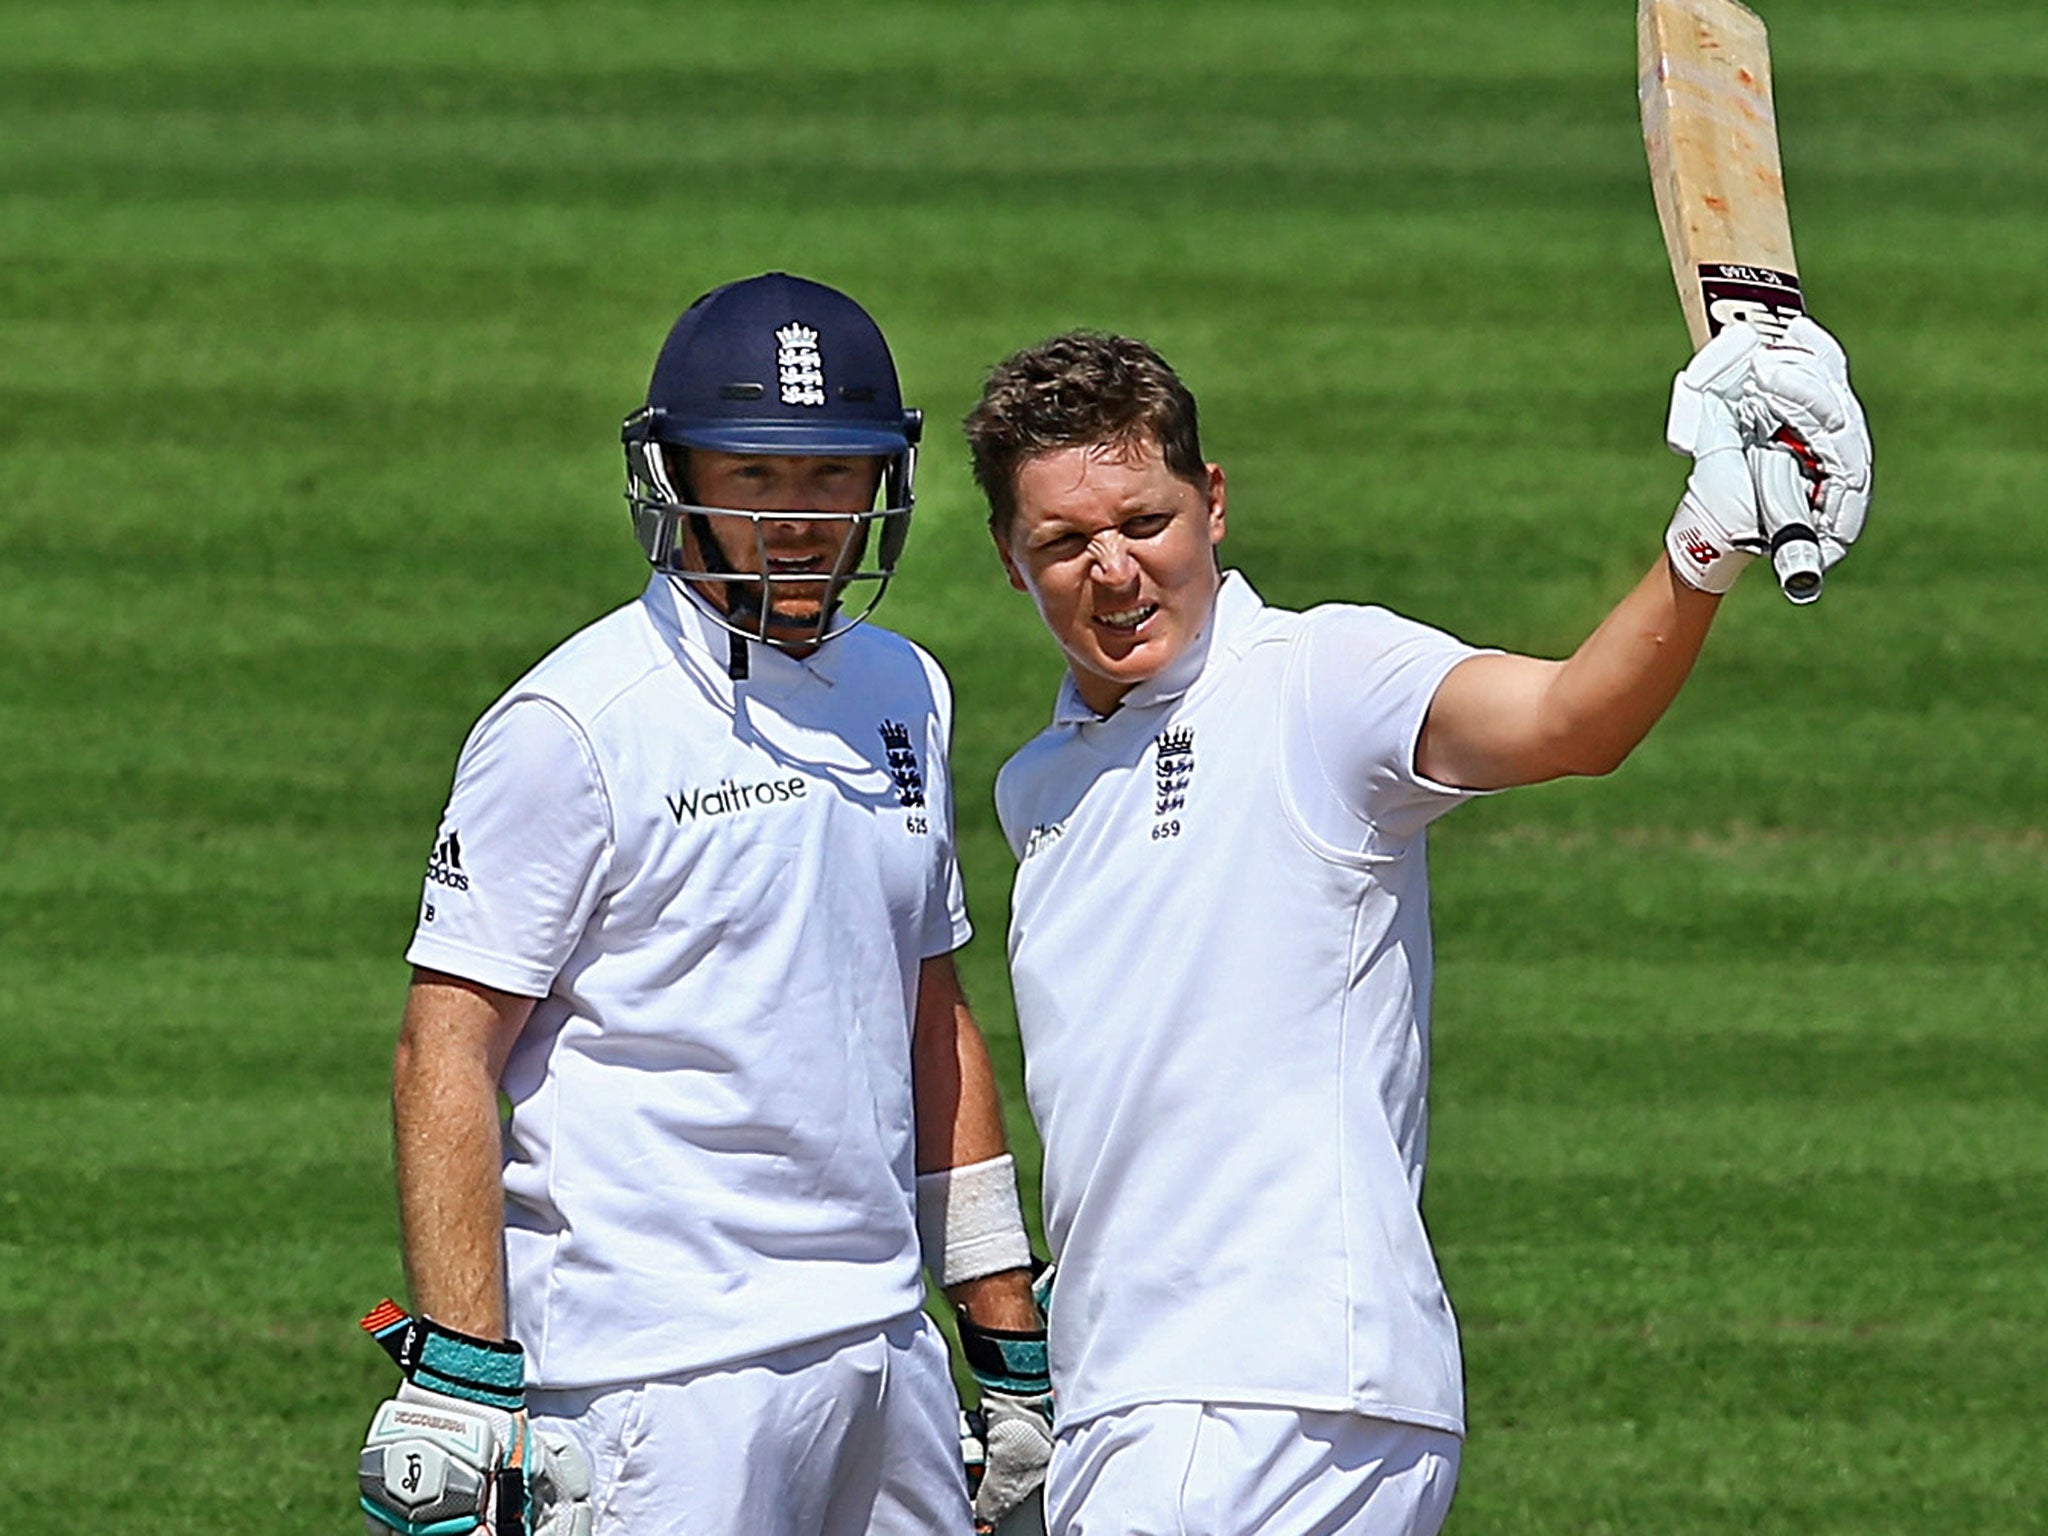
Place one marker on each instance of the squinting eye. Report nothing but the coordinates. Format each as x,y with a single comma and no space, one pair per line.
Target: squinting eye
1148,525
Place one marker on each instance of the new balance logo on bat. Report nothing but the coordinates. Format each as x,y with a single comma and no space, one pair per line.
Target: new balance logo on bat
1767,300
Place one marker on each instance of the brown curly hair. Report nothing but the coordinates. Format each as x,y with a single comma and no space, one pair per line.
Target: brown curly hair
1074,391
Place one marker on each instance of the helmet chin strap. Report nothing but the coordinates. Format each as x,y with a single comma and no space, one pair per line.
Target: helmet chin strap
737,662
745,596
740,606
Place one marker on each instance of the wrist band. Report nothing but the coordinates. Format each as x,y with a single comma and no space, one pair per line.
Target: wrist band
487,1371
969,1222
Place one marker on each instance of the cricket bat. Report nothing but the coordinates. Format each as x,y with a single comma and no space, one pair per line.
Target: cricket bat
1711,133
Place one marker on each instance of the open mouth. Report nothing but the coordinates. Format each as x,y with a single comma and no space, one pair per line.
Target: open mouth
1127,621
792,589
800,580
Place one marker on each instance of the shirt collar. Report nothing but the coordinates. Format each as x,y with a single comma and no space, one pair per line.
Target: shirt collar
1235,607
706,645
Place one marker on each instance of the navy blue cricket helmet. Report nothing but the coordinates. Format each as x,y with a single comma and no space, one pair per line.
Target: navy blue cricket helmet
779,365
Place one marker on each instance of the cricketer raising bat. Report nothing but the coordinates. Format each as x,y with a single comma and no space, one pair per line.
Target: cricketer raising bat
1711,132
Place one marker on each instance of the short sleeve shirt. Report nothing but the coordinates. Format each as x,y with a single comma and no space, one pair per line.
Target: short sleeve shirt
1220,951
720,894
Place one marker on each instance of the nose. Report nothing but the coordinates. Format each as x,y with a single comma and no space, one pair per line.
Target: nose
1112,558
783,528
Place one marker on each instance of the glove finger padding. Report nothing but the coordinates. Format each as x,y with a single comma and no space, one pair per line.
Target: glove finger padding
1798,403
1017,1437
558,1488
431,1464
1014,1422
1717,529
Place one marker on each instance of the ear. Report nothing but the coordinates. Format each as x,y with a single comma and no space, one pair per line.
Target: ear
1010,567
1217,499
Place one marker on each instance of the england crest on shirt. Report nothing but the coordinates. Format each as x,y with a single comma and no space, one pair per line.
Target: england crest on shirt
1173,768
902,760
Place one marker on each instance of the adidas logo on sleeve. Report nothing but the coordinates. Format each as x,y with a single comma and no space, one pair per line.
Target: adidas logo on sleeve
444,865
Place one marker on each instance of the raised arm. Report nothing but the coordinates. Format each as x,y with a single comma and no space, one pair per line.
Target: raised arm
1498,721
1776,436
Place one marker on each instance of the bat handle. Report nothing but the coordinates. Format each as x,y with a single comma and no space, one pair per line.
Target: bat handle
1781,493
1795,556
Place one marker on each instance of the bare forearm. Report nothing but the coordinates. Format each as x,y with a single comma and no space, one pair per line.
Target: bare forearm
1618,684
448,1148
960,1124
450,1201
972,1133
959,1110
1502,720
1001,1300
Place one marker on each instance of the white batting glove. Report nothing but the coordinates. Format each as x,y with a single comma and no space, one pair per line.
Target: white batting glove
1014,1423
1778,444
1016,1433
1717,529
1812,461
432,1463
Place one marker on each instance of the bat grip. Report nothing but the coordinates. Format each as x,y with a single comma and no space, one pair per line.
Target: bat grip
1781,493
1795,556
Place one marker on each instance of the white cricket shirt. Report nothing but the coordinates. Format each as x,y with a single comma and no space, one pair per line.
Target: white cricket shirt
720,894
1220,950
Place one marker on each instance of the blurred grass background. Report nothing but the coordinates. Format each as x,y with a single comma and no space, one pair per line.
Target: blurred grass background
316,326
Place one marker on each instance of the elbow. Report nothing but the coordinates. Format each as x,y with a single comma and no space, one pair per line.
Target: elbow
1593,743
1598,765
1589,754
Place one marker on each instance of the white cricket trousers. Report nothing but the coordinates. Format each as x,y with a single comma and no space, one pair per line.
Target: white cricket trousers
1221,1469
854,1435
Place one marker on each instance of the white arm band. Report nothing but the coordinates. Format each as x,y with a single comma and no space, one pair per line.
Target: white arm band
969,1222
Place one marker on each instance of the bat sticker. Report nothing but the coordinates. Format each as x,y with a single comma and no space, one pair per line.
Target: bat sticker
1768,300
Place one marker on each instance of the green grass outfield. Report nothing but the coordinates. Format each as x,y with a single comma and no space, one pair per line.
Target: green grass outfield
316,326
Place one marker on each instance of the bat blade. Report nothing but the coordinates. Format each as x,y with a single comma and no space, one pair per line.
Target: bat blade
1710,130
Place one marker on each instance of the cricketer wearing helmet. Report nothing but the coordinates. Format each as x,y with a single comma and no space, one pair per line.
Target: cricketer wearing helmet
690,911
1220,939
